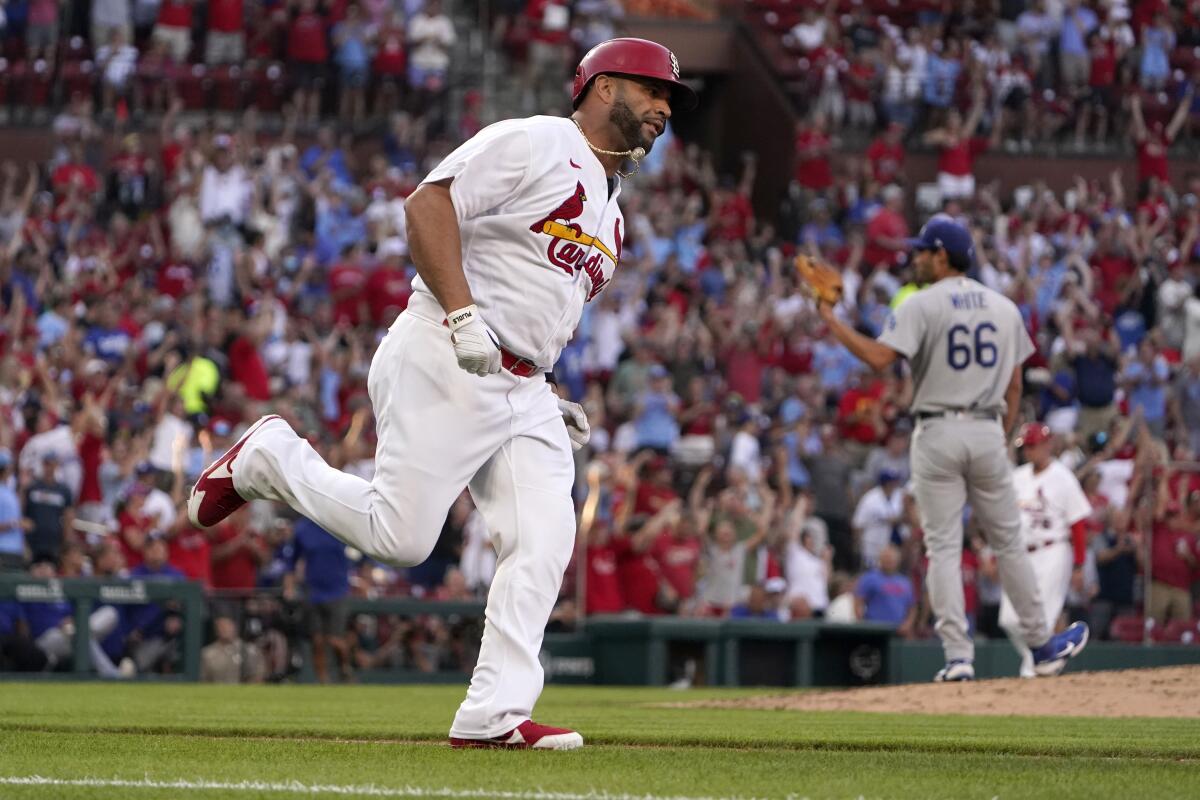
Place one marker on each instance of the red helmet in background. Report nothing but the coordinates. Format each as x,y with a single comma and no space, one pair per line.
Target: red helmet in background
1033,433
633,57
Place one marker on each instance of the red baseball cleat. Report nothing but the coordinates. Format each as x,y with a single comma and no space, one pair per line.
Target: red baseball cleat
528,734
213,498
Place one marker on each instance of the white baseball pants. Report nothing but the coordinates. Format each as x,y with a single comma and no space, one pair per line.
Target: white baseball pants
955,462
440,429
1052,569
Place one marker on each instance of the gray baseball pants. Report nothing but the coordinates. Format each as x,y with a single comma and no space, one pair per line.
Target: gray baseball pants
955,461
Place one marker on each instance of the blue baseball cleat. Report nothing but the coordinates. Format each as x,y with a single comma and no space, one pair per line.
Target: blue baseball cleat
1051,658
959,669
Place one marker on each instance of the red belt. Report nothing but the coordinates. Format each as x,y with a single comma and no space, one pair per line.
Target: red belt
521,367
517,365
1033,548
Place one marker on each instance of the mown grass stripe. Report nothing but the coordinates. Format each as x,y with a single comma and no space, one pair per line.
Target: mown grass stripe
1161,752
346,790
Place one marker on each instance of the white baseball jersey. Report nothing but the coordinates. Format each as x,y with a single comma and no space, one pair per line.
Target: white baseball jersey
1051,502
963,341
541,231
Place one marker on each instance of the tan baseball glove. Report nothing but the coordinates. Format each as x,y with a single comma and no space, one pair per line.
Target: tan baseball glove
822,282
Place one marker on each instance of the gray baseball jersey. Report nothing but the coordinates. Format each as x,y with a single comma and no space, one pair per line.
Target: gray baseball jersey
962,340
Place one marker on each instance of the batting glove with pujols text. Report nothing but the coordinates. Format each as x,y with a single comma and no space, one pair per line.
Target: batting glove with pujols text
577,425
475,346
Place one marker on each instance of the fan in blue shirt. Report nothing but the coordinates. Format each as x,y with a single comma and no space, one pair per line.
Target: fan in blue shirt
883,594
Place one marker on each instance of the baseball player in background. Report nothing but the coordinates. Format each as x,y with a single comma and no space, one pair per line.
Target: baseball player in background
965,345
511,235
1054,514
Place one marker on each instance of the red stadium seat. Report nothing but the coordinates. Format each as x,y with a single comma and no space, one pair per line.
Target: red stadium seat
5,78
14,49
1127,629
192,82
229,84
1178,631
77,77
75,49
269,88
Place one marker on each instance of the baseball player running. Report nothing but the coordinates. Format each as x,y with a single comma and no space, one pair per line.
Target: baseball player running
965,344
1054,513
511,235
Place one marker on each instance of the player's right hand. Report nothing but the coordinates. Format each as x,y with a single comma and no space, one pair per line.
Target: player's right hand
475,346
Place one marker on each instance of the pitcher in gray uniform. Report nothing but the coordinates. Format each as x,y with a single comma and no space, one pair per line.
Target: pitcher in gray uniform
965,345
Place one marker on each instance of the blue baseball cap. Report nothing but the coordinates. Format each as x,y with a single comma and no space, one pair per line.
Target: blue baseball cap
941,231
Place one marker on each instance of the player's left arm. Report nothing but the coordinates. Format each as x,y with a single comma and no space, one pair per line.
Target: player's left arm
1012,399
873,353
1078,510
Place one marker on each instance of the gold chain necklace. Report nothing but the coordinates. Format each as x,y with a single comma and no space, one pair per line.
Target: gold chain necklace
635,155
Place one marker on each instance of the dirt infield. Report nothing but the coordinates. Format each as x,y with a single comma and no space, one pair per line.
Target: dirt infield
1166,692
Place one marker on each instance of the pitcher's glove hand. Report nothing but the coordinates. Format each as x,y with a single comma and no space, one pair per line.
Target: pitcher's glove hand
820,281
475,346
577,423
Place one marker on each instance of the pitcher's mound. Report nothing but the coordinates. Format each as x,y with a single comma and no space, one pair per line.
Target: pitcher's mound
1165,692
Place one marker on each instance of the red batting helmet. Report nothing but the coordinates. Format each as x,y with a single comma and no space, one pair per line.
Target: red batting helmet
632,57
1033,433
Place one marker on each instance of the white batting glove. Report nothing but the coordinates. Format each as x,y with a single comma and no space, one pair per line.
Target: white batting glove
577,424
475,346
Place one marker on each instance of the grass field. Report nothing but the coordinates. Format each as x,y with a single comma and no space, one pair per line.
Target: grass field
169,741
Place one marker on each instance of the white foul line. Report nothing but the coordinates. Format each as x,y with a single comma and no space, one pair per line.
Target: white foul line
296,787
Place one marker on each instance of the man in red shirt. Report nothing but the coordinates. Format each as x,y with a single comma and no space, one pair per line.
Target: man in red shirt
388,289
189,553
860,416
603,590
347,280
887,231
75,172
745,362
226,43
390,62
176,278
1152,141
813,152
1173,555
886,155
733,216
550,30
1112,268
1100,100
636,565
858,81
174,28
246,366
655,492
956,163
237,551
308,54
677,552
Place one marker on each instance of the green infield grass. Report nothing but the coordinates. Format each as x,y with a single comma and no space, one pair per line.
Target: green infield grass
98,740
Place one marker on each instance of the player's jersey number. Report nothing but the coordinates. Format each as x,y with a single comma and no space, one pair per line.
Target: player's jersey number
965,346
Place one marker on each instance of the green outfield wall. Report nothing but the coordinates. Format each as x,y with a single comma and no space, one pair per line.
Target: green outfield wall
621,650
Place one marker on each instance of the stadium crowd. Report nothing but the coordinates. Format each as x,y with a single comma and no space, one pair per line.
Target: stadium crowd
158,294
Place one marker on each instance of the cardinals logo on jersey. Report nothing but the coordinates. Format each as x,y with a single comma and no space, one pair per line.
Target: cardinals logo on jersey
570,208
570,249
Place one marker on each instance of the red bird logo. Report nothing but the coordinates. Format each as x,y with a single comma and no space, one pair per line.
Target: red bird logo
571,208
